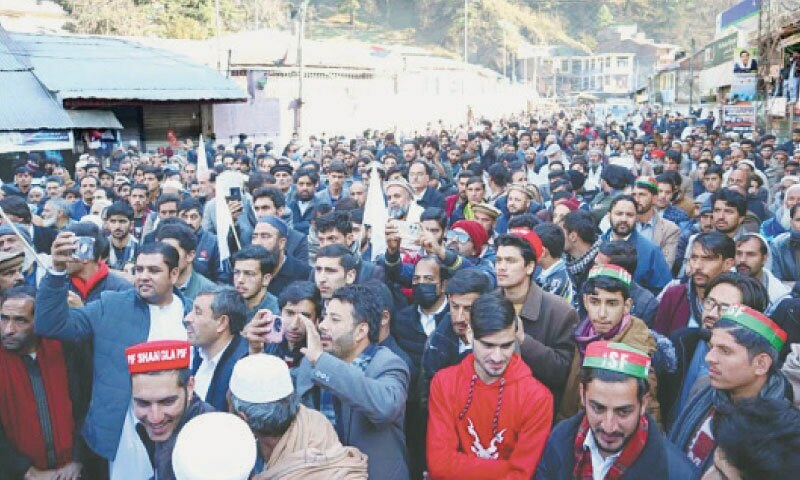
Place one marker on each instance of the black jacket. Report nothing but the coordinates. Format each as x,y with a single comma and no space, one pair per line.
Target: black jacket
660,460
407,330
670,385
292,270
43,238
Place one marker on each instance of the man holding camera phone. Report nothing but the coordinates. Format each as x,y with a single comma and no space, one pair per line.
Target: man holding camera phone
117,320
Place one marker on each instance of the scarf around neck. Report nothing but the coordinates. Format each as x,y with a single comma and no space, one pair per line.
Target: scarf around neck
19,415
629,455
586,334
576,266
85,287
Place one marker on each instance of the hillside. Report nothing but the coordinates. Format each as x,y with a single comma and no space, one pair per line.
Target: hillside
436,24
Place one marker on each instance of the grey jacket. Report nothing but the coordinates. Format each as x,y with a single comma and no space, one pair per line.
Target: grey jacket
373,406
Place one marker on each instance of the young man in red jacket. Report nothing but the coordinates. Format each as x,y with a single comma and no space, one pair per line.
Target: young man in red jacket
488,417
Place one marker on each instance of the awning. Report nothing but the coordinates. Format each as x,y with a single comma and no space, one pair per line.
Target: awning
94,119
789,41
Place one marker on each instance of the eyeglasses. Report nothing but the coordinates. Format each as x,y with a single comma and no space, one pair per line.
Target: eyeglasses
456,235
710,304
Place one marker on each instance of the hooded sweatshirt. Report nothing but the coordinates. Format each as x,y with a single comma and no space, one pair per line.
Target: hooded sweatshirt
461,424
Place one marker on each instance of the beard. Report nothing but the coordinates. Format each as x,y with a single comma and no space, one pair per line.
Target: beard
305,196
398,212
622,229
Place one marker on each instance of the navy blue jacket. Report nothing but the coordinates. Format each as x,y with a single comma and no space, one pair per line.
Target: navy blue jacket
218,389
431,198
302,222
652,271
115,322
660,459
206,259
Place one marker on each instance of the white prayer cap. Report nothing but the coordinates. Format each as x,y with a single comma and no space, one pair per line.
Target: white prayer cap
261,378
214,446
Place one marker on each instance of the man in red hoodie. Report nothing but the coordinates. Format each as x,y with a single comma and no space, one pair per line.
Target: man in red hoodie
488,417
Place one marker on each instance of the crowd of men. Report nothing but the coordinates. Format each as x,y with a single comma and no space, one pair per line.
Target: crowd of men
550,298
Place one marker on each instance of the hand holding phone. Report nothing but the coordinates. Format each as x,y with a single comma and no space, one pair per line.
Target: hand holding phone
270,327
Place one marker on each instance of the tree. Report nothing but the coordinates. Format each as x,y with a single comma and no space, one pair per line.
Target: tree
350,7
604,17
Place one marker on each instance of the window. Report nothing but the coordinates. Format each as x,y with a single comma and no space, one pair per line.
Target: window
622,62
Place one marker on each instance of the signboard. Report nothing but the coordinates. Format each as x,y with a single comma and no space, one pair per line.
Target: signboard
744,61
743,88
720,51
35,141
739,117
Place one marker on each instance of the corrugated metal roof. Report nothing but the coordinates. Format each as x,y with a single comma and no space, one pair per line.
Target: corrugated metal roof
83,67
94,119
26,105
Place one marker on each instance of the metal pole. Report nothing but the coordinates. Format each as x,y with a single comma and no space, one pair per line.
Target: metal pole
466,44
691,77
300,66
216,32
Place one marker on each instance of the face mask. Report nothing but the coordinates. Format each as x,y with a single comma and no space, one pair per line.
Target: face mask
49,222
425,294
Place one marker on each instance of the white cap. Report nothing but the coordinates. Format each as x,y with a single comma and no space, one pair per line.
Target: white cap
214,446
552,149
261,378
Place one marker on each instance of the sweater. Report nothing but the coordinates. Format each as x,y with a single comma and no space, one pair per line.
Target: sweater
524,420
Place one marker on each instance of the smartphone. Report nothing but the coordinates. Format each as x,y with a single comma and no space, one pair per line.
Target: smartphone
84,248
235,194
276,336
408,231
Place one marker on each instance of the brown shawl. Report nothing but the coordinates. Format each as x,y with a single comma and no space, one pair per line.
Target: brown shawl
310,450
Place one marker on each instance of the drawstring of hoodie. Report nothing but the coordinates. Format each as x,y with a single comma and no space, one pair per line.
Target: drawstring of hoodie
496,418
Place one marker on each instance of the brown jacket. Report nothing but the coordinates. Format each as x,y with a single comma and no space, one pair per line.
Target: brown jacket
637,335
665,236
549,322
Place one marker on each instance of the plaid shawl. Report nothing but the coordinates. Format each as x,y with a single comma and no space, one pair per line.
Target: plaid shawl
583,457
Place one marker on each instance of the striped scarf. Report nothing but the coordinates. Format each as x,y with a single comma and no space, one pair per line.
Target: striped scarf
576,266
327,402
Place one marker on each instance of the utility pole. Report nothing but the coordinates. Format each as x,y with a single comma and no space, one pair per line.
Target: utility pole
216,32
466,44
691,77
300,66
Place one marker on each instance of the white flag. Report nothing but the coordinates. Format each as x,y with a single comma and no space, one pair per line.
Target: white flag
224,222
375,213
202,162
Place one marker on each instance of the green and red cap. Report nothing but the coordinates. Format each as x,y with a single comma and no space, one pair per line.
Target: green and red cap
647,182
758,323
611,271
617,357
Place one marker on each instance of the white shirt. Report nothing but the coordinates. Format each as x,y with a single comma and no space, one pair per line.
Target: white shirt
427,321
202,379
131,460
600,465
